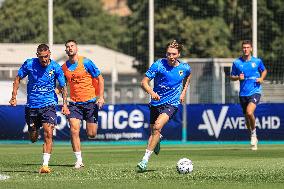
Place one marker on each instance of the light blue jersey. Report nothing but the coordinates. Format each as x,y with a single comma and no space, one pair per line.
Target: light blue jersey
168,81
41,82
252,70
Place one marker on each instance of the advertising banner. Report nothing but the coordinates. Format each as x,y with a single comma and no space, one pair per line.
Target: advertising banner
116,122
222,122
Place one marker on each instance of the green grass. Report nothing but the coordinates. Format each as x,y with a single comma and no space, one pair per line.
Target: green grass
215,166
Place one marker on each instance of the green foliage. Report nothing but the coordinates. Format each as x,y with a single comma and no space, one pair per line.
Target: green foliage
84,21
207,28
210,28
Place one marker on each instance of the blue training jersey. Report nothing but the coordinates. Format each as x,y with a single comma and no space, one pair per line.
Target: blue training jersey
168,81
90,67
41,82
252,70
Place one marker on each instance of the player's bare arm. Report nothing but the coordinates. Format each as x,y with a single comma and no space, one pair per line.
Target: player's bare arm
13,100
64,93
262,77
146,87
237,77
185,87
101,99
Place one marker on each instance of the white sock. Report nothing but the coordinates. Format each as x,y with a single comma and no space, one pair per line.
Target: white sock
253,133
78,156
46,157
147,155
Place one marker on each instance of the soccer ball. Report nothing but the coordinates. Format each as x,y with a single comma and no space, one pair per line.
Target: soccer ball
184,166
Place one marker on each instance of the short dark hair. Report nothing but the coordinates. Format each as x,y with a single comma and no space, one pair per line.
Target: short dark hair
71,40
42,47
245,42
174,44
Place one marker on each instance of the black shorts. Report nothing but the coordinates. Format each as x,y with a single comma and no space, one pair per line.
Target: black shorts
37,116
245,100
155,111
87,112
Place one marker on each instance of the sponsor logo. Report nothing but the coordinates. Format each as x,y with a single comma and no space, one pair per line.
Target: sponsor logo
214,125
50,73
109,120
121,119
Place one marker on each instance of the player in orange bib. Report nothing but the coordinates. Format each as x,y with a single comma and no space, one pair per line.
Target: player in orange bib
86,93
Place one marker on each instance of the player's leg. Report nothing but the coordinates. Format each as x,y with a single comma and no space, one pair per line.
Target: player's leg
156,130
74,118
31,116
250,114
48,117
91,117
158,146
253,101
244,103
153,140
75,125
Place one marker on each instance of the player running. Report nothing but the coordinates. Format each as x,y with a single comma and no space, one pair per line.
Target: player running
40,109
168,74
251,72
81,73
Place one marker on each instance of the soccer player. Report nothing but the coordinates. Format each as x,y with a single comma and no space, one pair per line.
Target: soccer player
40,109
168,92
83,78
251,72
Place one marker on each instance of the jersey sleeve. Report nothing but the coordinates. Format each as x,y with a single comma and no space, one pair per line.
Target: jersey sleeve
261,66
188,70
23,71
60,76
234,71
91,68
153,70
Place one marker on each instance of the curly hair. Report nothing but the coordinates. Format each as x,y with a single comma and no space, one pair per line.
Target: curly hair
174,44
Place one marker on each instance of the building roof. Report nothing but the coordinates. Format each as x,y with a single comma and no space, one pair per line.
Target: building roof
105,59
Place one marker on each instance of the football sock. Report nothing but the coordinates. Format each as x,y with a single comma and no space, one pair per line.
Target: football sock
46,157
253,133
147,155
78,156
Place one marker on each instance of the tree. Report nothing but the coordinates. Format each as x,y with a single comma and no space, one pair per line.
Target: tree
82,20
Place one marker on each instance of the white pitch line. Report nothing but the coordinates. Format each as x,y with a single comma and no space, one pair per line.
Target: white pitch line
4,177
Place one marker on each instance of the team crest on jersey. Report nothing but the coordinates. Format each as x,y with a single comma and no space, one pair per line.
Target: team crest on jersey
253,64
180,72
51,72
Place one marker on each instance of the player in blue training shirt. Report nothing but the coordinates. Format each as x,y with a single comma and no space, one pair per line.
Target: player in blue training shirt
40,109
168,92
251,72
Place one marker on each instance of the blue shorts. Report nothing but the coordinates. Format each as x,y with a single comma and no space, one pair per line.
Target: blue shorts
245,100
35,117
155,111
87,112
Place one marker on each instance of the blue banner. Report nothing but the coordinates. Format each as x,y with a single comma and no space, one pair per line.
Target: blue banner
215,122
116,122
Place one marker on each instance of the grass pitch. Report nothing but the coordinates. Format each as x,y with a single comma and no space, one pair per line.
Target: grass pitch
215,166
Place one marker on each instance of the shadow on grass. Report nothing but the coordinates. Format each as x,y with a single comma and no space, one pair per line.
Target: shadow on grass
19,171
150,170
51,165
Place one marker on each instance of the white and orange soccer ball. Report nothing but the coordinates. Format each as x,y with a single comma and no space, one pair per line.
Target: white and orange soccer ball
184,166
